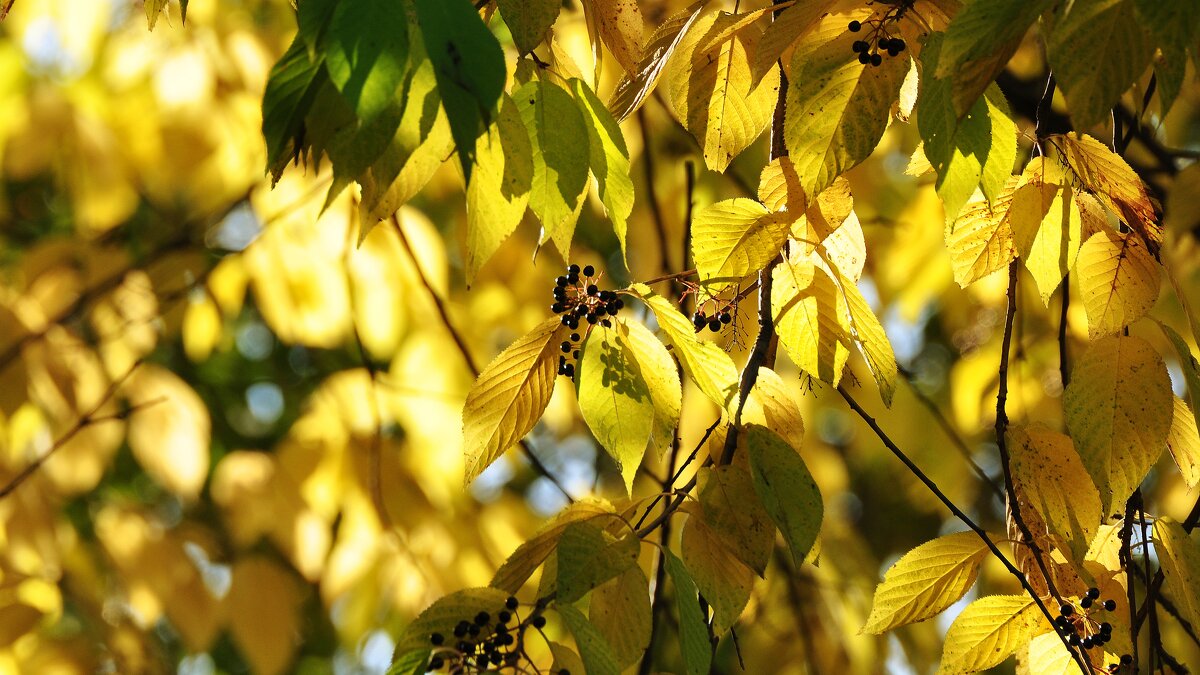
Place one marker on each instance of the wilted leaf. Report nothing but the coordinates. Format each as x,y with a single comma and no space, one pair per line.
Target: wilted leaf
636,85
619,23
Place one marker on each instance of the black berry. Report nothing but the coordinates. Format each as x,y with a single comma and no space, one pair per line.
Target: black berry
436,662
898,44
1066,610
572,269
503,616
1110,604
1093,593
538,622
726,317
1106,627
436,639
560,282
876,59
1086,642
1074,640
855,26
1085,603
698,320
461,629
864,58
511,602
714,324
589,271
566,347
859,46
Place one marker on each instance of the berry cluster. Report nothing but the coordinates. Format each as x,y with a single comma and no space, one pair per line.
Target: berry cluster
714,322
482,645
570,348
578,297
879,42
1082,630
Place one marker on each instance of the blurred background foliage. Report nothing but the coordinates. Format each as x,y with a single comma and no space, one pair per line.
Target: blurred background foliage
255,422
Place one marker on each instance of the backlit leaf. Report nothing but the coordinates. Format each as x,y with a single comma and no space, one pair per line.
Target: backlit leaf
1046,656
1118,409
534,551
170,432
792,24
926,580
1179,554
733,513
1191,375
723,580
772,405
597,655
871,338
1049,477
619,23
706,363
733,238
637,84
445,613
620,611
981,240
263,606
291,89
1118,279
693,630
588,558
779,187
509,396
1183,441
528,20
1047,225
367,54
609,160
808,309
499,191
988,631
786,488
662,379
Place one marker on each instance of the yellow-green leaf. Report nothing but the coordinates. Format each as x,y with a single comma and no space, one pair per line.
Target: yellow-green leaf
1183,441
614,397
872,339
445,613
981,241
772,405
1118,279
779,187
734,513
153,9
787,490
587,557
666,394
620,611
925,581
534,551
637,84
596,653
988,631
1046,656
1191,375
1097,49
1047,225
792,24
561,157
706,363
808,310
734,238
509,396
710,90
528,20
1118,409
723,580
619,23
499,188
609,160
1049,477
1179,554
837,108
693,629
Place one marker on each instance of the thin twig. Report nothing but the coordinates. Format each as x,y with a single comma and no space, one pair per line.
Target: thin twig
466,353
660,223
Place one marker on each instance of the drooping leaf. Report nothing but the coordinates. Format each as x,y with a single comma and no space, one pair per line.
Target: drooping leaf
981,241
786,488
808,309
662,379
620,610
1179,554
636,85
925,581
1047,225
619,23
559,139
1175,27
1118,409
734,238
291,88
772,405
528,20
723,580
509,396
837,108
1045,656
693,630
1118,279
1049,477
534,551
587,558
499,192
153,8
609,160
1183,440
614,397
469,66
710,90
871,338
596,654
1096,49
733,512
988,631
785,29
1191,375
367,54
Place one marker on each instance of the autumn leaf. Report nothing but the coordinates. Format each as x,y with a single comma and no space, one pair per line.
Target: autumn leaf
1119,281
500,189
1179,553
637,84
620,610
808,309
693,632
735,237
988,631
1049,477
786,488
981,240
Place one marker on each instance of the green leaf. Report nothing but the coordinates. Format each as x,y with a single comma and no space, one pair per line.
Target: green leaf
808,310
509,396
988,631
443,615
837,108
614,397
412,663
609,160
925,581
1179,555
662,379
1097,50
620,610
734,238
1049,478
499,192
597,655
693,629
534,551
560,158
367,54
723,580
786,488
587,558
469,66
1175,26
733,512
1118,409
314,18
976,152
291,89
528,20
565,658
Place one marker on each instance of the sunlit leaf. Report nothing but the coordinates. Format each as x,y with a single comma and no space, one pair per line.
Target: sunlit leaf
1183,440
662,380
596,653
723,580
1047,225
988,631
499,192
170,431
926,580
619,23
981,240
609,160
808,310
636,85
1049,477
1118,279
620,610
1180,432
264,612
786,488
707,364
535,550
871,338
367,54
792,24
736,237
1179,554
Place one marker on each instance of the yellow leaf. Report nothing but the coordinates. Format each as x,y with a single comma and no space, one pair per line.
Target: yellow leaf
981,241
872,339
499,187
1046,656
779,187
620,611
1047,226
707,364
1049,477
153,9
1106,175
988,631
785,29
734,514
710,90
808,312
772,405
170,431
1184,443
201,327
1118,409
534,551
264,614
1118,280
658,369
825,215
734,238
509,396
837,108
846,248
620,26
637,84
1179,555
723,580
925,581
